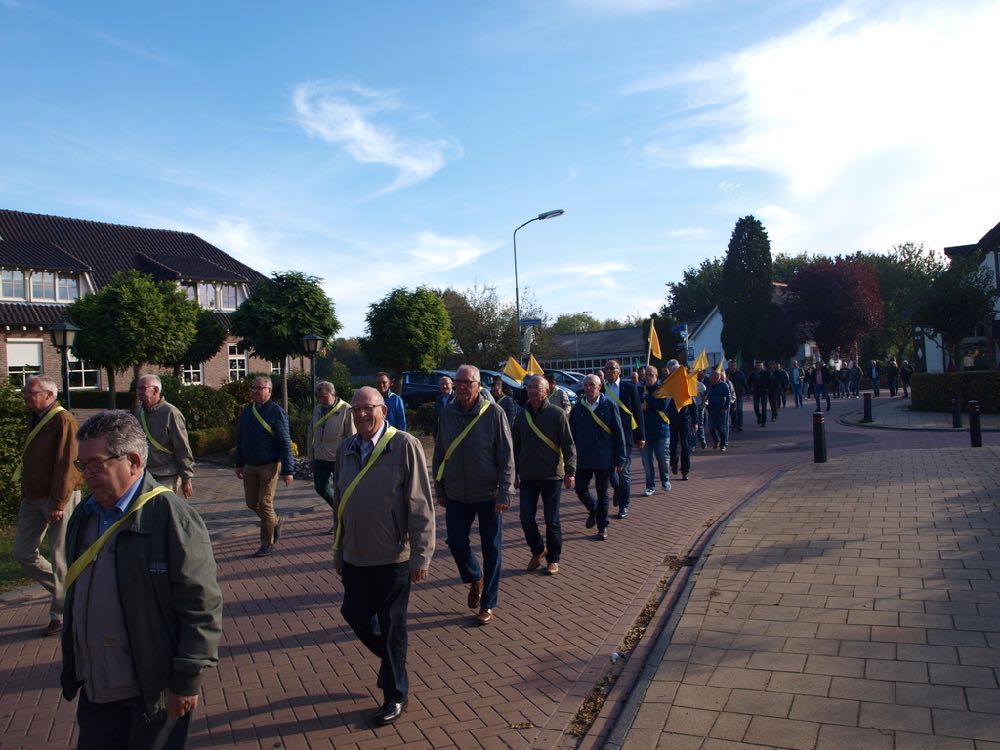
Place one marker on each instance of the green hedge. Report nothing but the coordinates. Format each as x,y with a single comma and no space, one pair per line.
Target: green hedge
13,429
212,440
204,407
933,391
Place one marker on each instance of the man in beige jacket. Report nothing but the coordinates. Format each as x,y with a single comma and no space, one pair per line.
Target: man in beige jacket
331,425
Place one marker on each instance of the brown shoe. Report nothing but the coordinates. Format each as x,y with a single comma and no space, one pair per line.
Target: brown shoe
536,561
552,569
475,593
53,628
484,617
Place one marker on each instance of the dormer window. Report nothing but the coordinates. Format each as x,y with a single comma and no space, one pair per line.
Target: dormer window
206,296
43,286
38,286
228,295
12,285
67,287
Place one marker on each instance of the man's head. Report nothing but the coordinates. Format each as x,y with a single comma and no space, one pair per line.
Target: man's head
445,385
467,385
39,393
758,365
148,390
612,370
591,388
635,377
326,392
732,364
112,454
368,409
714,376
496,388
672,364
550,380
538,391
649,375
260,391
382,382
795,363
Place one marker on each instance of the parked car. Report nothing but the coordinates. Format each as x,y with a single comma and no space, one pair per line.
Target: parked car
570,380
418,387
511,387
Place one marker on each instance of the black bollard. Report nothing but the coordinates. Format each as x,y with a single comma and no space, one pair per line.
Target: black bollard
975,432
819,438
868,408
956,414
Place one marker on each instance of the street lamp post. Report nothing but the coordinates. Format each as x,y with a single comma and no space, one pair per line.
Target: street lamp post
63,338
517,288
311,343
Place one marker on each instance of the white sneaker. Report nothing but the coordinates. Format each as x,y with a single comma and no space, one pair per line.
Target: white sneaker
666,487
649,491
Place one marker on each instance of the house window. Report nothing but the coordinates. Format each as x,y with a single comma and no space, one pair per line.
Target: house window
228,297
192,374
206,296
12,284
24,358
82,374
275,368
43,286
67,287
237,362
190,291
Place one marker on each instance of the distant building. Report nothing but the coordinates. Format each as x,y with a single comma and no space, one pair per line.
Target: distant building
587,351
46,262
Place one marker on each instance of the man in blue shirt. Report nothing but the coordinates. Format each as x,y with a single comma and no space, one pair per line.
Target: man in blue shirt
396,410
263,452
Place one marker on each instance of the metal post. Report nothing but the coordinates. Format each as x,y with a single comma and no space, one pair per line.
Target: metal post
868,408
975,432
956,414
819,438
65,375
309,434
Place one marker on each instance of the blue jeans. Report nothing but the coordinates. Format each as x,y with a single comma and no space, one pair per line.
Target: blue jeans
717,425
797,393
656,448
599,505
458,518
549,490
624,489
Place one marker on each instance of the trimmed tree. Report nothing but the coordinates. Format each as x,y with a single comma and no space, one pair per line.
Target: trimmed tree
278,313
209,337
746,286
130,321
407,330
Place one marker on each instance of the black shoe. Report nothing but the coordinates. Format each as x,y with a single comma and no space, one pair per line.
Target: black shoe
277,531
684,476
388,713
623,513
264,551
614,502
591,520
673,468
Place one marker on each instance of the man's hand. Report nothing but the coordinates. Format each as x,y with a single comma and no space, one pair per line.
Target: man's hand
501,507
569,481
287,479
54,516
417,575
239,472
641,444
178,705
187,488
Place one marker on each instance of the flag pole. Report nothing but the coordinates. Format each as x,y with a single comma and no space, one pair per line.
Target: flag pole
649,339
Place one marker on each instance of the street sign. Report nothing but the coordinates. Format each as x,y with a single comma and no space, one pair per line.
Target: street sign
530,322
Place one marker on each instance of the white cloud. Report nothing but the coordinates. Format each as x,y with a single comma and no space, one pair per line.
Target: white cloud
347,115
438,253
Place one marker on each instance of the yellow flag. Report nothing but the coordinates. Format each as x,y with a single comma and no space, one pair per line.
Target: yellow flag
676,386
718,367
533,367
654,342
701,363
514,369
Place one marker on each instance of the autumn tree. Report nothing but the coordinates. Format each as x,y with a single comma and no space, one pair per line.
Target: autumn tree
407,330
482,324
836,303
746,286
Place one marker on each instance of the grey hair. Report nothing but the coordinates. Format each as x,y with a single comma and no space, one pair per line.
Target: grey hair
120,429
46,382
673,364
266,379
326,385
475,370
153,380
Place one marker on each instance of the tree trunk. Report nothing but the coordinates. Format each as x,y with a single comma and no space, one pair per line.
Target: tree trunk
284,382
111,387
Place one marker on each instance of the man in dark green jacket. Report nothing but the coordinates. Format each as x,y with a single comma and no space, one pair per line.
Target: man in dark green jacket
143,613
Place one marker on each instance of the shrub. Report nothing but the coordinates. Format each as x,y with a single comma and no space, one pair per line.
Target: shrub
212,440
933,391
421,419
205,407
13,422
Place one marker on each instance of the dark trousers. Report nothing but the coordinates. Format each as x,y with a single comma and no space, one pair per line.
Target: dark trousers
121,725
774,397
679,429
760,407
624,489
458,518
875,389
379,595
599,505
549,491
736,411
893,390
322,471
906,388
822,392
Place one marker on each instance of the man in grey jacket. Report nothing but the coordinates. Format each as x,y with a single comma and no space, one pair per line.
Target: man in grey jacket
385,538
170,459
331,426
143,609
473,470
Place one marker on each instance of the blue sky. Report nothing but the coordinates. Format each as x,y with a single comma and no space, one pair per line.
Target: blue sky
386,144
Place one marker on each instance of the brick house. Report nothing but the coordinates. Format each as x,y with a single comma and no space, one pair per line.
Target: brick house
46,262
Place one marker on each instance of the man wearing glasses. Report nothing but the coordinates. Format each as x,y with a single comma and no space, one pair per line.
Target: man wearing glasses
48,485
143,606
263,453
396,409
473,469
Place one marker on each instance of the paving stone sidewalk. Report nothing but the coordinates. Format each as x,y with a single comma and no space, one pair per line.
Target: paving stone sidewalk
895,414
854,604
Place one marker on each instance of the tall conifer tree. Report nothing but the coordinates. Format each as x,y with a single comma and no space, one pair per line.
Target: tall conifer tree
746,286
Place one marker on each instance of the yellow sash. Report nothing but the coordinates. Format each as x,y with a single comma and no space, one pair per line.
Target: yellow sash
541,435
458,439
334,410
600,422
81,563
379,448
260,419
610,394
663,416
149,435
31,436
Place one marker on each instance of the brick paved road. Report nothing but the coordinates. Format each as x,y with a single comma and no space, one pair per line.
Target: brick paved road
292,675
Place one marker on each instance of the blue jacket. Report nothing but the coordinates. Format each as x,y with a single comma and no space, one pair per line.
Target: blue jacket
595,448
629,396
396,415
656,426
255,445
717,398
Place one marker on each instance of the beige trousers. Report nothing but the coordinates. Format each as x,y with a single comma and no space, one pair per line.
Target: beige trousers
259,485
32,526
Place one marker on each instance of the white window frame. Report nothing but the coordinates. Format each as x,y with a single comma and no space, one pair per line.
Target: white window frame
61,277
222,297
34,297
80,369
24,371
192,374
236,356
23,297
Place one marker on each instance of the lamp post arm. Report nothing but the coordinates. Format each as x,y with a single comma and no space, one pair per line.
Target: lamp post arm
517,287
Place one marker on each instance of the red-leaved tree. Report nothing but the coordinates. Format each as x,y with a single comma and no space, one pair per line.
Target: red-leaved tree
837,303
